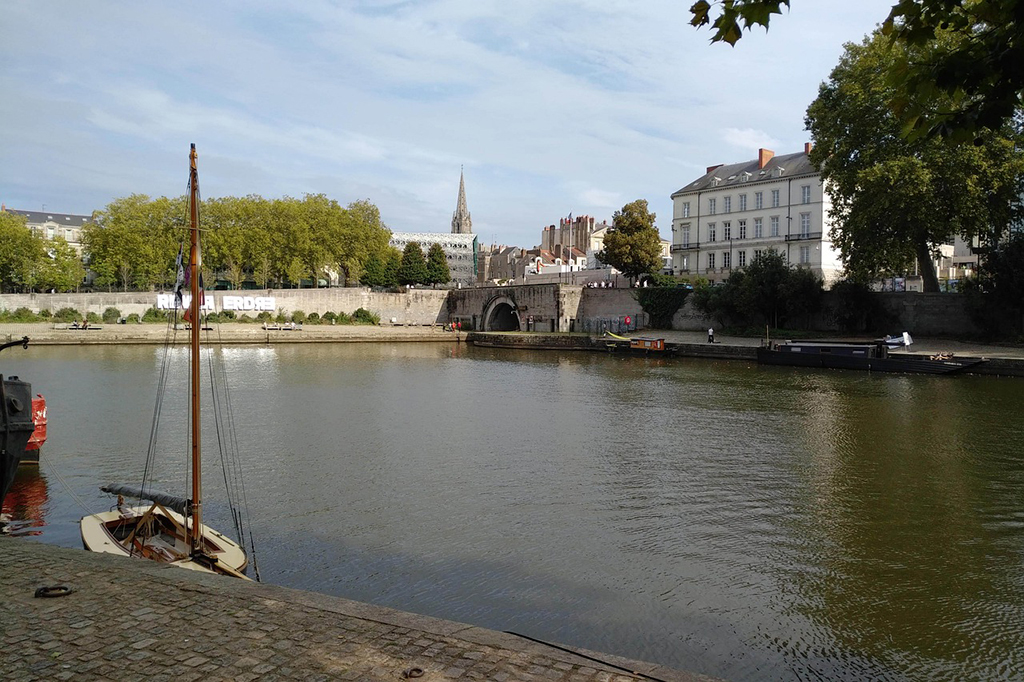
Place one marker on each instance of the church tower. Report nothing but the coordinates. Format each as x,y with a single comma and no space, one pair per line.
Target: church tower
461,222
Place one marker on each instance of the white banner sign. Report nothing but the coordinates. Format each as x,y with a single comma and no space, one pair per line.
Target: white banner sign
254,303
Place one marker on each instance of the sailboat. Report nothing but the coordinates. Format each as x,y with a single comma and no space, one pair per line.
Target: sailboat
170,529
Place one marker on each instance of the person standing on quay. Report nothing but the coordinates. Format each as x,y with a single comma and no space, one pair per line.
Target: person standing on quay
711,335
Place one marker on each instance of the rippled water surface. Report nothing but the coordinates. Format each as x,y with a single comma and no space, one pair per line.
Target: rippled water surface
742,522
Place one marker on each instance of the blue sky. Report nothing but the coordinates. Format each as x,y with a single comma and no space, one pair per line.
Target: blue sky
551,107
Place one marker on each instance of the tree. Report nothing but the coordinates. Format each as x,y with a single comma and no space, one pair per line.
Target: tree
767,291
414,268
995,296
21,254
895,199
437,265
62,270
632,244
374,274
392,264
977,74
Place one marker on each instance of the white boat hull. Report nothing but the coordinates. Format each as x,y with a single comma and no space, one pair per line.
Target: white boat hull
100,534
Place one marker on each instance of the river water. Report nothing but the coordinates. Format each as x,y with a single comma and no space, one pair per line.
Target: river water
720,517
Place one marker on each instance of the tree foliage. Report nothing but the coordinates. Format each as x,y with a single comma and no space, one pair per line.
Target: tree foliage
283,242
735,16
661,303
970,83
632,244
995,296
438,271
21,254
413,269
895,199
30,263
767,291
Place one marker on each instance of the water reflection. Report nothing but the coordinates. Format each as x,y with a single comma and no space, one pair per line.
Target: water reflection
745,522
26,502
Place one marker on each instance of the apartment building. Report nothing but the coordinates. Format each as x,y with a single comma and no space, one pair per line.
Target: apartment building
724,219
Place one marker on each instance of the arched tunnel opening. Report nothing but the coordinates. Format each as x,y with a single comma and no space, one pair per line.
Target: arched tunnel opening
502,319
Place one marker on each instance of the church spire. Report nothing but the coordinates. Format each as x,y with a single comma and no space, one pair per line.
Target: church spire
461,221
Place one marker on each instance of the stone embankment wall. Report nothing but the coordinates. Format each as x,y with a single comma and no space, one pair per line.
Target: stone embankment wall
414,307
553,307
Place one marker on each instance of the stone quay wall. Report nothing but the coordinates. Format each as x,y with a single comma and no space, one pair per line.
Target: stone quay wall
412,307
551,307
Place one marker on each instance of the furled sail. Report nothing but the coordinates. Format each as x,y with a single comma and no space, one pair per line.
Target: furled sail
174,502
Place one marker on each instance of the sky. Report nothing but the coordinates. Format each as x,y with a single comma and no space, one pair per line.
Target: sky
549,108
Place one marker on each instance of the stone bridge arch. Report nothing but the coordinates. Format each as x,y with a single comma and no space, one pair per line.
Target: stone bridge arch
501,314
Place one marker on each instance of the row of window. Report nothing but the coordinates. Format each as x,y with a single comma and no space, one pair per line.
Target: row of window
741,258
805,198
773,229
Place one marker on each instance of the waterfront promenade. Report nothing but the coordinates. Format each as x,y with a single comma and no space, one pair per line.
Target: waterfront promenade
50,334
136,620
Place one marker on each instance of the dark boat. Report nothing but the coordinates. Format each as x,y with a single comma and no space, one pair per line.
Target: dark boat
864,355
16,425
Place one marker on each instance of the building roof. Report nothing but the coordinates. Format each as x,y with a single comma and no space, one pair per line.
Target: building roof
40,217
792,165
432,237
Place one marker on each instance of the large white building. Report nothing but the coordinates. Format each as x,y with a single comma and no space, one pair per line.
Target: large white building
722,220
68,226
459,249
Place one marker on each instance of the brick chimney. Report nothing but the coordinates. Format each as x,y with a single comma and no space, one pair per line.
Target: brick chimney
711,168
807,147
764,156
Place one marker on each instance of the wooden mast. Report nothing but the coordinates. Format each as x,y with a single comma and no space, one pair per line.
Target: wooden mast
195,538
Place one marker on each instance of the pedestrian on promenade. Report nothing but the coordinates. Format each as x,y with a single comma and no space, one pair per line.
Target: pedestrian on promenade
711,335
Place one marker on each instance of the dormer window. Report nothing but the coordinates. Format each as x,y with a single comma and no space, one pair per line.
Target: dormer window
715,181
744,176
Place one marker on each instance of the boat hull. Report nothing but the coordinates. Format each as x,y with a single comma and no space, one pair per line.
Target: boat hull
16,428
35,442
99,534
893,363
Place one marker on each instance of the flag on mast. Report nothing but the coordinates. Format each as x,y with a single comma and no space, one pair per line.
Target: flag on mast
179,283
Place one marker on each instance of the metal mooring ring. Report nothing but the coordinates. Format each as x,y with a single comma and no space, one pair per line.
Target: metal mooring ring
412,672
54,591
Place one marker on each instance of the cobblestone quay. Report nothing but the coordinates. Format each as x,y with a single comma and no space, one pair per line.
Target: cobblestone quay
135,620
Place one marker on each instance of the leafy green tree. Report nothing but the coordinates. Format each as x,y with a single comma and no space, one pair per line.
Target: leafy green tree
437,265
413,269
767,291
21,254
976,74
895,199
392,264
995,296
374,274
632,244
62,270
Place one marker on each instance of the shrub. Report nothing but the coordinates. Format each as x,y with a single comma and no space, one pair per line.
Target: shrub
264,317
298,317
330,316
314,318
364,316
344,318
111,315
281,318
133,318
244,319
67,315
20,315
154,315
45,314
93,318
227,315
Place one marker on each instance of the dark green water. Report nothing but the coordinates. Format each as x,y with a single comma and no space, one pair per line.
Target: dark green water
743,522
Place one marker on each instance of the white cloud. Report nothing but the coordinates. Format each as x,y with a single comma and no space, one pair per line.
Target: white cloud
750,140
546,104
